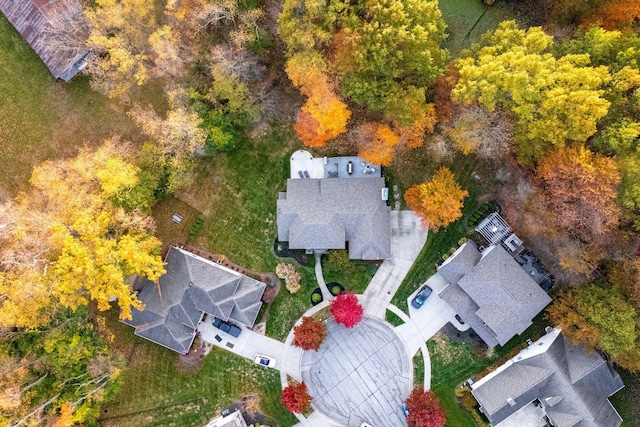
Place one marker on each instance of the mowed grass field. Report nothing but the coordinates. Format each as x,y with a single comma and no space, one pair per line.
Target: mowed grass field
158,391
41,119
468,20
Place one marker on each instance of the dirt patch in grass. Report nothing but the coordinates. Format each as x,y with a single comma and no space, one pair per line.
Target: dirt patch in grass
204,189
168,231
192,361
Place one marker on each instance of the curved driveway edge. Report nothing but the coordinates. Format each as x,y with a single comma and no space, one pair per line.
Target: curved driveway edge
409,344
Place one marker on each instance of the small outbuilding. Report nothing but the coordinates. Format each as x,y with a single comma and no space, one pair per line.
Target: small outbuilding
45,25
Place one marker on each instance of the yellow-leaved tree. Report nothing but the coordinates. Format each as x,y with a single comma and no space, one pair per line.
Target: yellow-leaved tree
73,242
553,100
437,202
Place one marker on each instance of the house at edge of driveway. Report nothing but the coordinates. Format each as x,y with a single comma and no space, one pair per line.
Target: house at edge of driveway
31,19
551,382
335,203
491,292
192,287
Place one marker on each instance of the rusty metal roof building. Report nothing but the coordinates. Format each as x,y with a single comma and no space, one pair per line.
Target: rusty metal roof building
32,19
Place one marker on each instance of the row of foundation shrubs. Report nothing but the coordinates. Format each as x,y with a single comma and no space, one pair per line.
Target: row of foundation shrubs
197,225
481,212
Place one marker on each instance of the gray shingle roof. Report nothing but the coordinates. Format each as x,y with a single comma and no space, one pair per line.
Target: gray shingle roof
32,20
460,263
496,297
191,287
547,376
326,213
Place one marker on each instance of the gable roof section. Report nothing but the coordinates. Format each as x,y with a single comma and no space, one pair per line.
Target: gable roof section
546,376
504,297
32,20
460,263
325,213
191,287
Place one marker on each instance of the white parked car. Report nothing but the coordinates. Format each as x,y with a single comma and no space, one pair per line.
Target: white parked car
266,361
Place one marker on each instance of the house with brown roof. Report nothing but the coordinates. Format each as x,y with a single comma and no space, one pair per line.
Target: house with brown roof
34,20
551,382
491,292
192,287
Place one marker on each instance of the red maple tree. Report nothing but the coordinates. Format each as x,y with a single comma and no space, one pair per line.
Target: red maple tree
346,309
424,409
309,334
296,398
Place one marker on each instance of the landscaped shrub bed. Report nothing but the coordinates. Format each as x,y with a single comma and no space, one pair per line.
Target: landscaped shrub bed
481,212
197,225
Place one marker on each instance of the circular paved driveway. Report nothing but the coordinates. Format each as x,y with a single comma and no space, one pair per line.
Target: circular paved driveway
359,374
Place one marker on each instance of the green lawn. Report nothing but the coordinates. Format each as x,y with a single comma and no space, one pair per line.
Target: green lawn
626,400
468,20
41,119
453,362
158,391
444,239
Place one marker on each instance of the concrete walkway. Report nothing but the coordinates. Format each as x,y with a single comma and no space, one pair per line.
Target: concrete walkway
326,294
407,239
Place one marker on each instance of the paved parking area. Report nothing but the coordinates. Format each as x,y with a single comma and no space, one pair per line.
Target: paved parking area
407,239
359,374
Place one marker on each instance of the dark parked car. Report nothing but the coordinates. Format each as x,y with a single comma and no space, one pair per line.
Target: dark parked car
229,328
421,296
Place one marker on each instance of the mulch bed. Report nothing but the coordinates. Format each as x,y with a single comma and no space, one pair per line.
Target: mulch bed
281,249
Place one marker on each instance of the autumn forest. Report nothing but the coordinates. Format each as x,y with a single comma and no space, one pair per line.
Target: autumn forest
545,106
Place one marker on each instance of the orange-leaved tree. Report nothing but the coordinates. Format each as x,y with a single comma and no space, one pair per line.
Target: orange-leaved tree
324,116
309,334
426,119
616,15
375,143
581,187
296,398
439,201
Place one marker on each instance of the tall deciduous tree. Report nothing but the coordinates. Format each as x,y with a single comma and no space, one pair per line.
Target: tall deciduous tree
346,309
376,143
86,245
309,334
390,54
378,53
437,202
296,398
425,409
119,38
598,316
581,187
553,100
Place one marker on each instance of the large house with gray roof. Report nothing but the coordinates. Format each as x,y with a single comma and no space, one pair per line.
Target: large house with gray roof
491,292
335,203
551,382
33,20
192,287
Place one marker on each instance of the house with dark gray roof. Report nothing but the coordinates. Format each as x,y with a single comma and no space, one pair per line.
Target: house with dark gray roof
192,287
551,382
337,209
33,20
491,292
